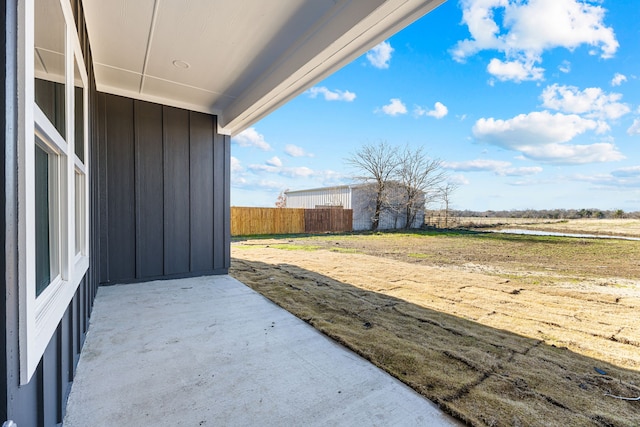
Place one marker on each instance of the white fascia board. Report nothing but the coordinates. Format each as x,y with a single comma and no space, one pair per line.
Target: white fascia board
281,85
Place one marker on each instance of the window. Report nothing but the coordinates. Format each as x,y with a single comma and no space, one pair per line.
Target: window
80,217
53,186
43,261
80,171
79,111
47,216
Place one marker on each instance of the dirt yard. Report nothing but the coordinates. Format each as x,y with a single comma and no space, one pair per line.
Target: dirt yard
498,330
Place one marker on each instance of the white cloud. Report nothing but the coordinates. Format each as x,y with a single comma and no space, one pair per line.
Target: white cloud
533,128
274,175
266,184
459,180
238,181
329,95
631,171
330,178
265,168
298,172
543,136
238,175
235,165
620,178
573,154
498,167
274,161
565,67
439,111
293,172
524,30
635,128
395,107
380,55
593,102
521,171
478,165
516,70
275,166
618,79
251,138
295,151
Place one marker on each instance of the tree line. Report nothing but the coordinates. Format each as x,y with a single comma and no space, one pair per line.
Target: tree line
549,214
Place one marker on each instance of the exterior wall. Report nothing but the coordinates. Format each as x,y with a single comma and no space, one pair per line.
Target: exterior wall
4,193
163,176
310,199
390,218
42,401
362,209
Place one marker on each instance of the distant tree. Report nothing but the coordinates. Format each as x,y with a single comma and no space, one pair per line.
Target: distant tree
618,213
419,176
446,191
377,164
281,201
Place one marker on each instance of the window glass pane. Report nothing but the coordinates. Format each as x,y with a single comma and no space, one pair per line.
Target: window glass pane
49,66
80,212
78,92
43,261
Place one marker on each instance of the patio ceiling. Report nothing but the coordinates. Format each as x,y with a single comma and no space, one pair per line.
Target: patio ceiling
239,60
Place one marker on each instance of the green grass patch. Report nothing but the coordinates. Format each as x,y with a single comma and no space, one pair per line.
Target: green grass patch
418,256
345,250
290,247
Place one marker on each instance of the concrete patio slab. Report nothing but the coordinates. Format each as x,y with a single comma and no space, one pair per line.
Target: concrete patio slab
209,351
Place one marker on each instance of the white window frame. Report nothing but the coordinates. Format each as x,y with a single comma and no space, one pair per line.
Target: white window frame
41,315
80,258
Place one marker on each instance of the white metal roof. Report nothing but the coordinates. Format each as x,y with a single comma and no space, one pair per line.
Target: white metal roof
238,59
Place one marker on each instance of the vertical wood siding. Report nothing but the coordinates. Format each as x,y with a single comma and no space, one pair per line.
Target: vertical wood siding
41,402
5,108
150,191
120,205
201,177
176,142
167,169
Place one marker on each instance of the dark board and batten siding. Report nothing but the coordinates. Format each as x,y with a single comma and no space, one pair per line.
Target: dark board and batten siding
163,192
42,401
5,180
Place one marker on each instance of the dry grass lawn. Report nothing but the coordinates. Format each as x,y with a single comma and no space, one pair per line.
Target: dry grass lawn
498,330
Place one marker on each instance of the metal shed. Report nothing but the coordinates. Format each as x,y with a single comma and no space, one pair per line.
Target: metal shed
360,198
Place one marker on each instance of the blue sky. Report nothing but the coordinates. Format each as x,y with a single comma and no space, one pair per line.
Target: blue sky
530,105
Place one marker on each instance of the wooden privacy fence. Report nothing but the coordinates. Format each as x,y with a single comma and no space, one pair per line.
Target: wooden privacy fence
322,220
247,221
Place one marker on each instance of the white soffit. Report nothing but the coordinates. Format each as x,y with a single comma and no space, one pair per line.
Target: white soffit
238,59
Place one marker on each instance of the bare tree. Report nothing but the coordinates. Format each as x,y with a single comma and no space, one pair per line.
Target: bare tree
281,201
446,192
419,176
377,163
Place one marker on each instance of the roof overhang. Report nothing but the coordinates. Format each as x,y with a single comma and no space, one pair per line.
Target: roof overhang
239,60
